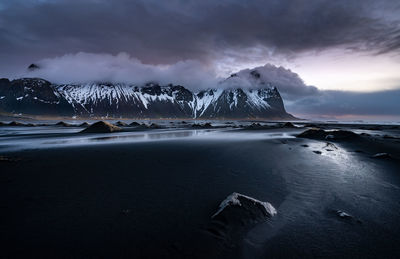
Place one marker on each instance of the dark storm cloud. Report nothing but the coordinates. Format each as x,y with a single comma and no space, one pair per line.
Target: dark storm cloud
290,85
170,31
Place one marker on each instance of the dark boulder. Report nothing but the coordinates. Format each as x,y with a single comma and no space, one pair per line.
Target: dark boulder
16,123
288,125
256,126
202,126
134,124
63,124
33,67
320,134
121,124
238,213
382,156
154,126
101,127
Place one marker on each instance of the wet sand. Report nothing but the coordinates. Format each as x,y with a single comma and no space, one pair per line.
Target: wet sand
155,199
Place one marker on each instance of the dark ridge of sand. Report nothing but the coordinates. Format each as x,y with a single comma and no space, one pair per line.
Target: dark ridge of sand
101,127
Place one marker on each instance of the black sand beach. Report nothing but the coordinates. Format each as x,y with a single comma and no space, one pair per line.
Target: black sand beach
154,198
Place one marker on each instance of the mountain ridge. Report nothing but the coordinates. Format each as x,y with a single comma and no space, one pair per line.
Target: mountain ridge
41,97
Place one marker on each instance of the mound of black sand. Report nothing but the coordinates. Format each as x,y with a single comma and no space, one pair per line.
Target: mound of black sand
134,124
320,134
101,127
121,124
63,124
238,213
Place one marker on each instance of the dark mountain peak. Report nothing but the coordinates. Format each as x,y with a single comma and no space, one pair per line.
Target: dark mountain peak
33,66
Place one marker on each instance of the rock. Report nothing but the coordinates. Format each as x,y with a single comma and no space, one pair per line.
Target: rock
331,145
256,126
330,136
313,133
205,125
121,124
381,155
8,159
389,137
320,134
16,123
101,127
33,67
289,125
183,122
84,124
134,124
154,126
347,217
317,152
237,213
63,124
305,145
310,125
343,214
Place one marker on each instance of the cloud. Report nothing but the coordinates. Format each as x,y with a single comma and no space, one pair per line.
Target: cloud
166,32
121,68
290,85
344,103
300,99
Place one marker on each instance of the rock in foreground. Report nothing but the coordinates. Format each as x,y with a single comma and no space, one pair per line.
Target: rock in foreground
101,127
237,213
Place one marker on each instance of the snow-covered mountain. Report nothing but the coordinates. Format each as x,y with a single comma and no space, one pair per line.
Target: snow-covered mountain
38,96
